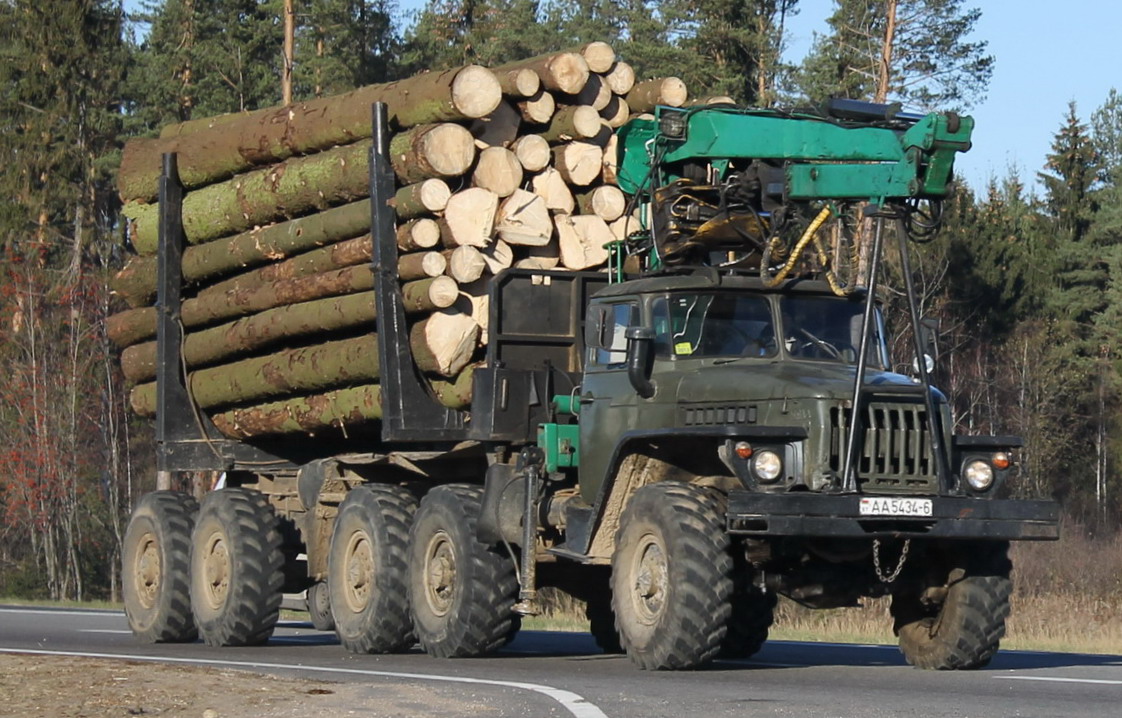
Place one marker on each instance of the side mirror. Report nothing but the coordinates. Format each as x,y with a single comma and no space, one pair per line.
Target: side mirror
929,338
640,340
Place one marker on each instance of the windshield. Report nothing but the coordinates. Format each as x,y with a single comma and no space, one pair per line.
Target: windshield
720,324
829,329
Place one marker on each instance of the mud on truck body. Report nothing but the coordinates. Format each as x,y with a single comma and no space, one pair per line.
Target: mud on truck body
676,442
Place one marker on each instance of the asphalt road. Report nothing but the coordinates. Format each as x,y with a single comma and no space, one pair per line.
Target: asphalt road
561,674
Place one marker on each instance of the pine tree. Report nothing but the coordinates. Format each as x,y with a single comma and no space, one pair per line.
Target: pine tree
450,33
916,52
344,44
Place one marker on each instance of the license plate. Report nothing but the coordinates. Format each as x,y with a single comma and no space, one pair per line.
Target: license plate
890,506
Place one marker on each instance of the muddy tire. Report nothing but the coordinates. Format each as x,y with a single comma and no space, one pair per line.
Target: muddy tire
319,607
672,576
601,617
368,573
236,568
462,592
156,568
962,631
753,612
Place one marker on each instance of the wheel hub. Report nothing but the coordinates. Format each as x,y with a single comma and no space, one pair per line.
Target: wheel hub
359,563
216,571
440,574
651,579
147,579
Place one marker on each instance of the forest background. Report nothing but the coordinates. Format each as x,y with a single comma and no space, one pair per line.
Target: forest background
1025,279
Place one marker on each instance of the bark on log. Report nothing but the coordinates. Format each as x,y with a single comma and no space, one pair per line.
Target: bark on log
498,129
444,150
420,233
669,91
136,282
289,189
429,295
498,170
235,143
576,122
444,343
420,265
307,414
578,162
523,219
532,152
595,94
259,331
294,371
559,71
469,218
606,202
455,394
347,253
617,113
423,198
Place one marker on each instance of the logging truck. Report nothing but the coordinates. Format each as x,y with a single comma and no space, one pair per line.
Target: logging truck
709,423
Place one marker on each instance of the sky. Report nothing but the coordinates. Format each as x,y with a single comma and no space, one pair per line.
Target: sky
1046,56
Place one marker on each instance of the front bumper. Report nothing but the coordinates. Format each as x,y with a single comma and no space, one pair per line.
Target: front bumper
816,515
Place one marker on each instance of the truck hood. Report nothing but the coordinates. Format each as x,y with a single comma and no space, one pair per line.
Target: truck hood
755,381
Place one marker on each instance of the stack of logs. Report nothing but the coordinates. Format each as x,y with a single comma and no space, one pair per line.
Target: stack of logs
501,167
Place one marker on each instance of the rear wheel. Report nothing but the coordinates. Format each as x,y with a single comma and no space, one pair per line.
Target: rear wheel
236,568
672,576
601,617
958,625
156,568
368,572
462,592
753,612
319,607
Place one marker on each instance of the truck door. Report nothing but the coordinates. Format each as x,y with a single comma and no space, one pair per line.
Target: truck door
609,404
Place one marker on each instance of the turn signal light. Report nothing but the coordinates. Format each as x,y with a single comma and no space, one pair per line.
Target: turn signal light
743,449
1000,460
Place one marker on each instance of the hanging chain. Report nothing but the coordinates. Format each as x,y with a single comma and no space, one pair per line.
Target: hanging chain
899,567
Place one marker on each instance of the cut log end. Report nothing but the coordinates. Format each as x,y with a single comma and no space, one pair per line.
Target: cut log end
449,149
599,55
476,91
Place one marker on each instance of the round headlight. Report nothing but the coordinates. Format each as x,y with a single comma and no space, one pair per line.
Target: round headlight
978,475
767,465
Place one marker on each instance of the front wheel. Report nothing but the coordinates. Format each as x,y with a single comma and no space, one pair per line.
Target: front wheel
957,626
672,576
236,568
155,576
462,592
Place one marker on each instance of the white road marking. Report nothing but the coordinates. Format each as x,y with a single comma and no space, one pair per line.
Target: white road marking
1058,679
64,612
573,703
104,630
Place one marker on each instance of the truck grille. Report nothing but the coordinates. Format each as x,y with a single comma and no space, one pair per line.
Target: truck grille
895,456
717,414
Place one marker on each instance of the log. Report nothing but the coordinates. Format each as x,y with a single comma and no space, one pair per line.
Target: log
421,233
596,93
606,202
347,253
475,301
497,170
497,257
498,129
611,160
624,226
578,162
455,394
582,240
444,150
249,334
289,189
617,113
131,326
532,152
444,343
576,122
621,78
550,185
669,91
538,109
559,71
469,218
523,219
545,257
293,371
465,264
428,295
521,82
419,265
423,198
306,414
598,55
232,144
136,282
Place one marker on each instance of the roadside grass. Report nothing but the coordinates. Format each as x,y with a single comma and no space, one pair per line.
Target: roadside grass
1067,597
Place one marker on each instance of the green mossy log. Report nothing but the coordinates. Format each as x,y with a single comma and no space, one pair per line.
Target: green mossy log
303,415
